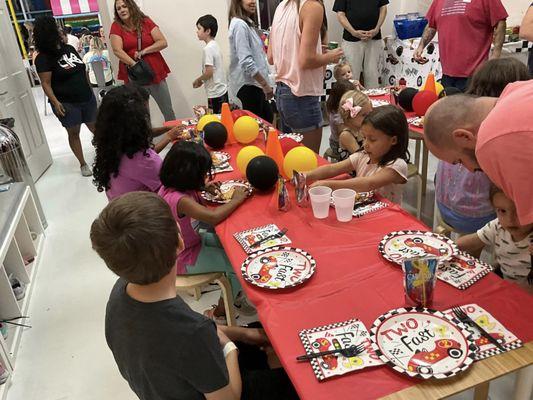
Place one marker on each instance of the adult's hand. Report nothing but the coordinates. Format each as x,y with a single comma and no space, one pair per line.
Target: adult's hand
418,54
371,33
197,83
334,55
59,109
269,92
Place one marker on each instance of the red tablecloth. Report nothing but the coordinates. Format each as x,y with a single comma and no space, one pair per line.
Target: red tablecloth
351,280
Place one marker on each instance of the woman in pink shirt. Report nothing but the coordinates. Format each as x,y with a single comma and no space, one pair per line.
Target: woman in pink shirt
296,52
126,161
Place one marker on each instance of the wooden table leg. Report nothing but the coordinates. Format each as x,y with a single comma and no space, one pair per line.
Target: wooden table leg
417,154
481,392
523,388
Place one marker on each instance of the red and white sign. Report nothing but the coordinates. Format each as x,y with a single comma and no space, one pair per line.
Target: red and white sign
68,7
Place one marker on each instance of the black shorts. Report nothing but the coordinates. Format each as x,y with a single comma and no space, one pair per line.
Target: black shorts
78,113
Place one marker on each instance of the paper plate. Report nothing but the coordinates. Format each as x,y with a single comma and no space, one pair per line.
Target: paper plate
278,267
416,121
219,158
379,103
375,92
297,137
462,270
397,246
225,188
422,343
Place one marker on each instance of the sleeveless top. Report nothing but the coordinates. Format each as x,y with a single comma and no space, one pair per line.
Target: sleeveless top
191,239
285,41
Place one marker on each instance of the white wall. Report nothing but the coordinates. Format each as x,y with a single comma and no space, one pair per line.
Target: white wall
177,19
516,10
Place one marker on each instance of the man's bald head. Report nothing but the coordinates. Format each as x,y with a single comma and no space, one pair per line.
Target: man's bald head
449,114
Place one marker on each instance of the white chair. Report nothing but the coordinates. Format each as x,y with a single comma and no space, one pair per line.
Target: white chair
98,69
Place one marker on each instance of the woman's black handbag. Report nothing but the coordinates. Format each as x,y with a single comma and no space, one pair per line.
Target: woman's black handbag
140,73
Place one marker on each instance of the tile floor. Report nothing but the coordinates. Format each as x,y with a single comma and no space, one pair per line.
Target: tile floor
64,355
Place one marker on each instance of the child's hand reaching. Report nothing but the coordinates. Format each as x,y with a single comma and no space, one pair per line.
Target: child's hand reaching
318,183
213,188
240,194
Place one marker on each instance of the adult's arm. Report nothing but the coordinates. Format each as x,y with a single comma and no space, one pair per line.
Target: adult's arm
233,390
46,83
343,20
499,36
427,37
311,17
118,49
160,43
526,28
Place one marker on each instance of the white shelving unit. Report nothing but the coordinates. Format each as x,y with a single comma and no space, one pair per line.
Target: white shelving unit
21,242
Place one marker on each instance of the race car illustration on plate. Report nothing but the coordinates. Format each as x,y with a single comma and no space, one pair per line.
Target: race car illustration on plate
419,243
263,276
423,361
464,264
328,361
483,341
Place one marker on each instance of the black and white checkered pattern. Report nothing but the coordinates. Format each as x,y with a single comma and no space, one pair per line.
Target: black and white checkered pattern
526,46
468,361
360,211
307,345
495,351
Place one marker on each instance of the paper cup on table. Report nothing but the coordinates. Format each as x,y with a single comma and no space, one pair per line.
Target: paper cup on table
320,198
344,200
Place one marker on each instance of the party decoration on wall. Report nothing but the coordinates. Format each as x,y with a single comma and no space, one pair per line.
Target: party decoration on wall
422,343
422,101
205,120
287,144
301,159
245,155
273,148
405,98
262,172
227,119
215,135
246,129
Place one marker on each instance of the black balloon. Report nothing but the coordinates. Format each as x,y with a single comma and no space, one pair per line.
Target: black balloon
405,98
449,91
262,172
215,135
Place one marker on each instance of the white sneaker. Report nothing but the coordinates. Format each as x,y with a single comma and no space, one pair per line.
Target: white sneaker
86,170
243,305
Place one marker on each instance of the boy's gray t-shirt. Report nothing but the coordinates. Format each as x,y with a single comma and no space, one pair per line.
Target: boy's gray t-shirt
164,349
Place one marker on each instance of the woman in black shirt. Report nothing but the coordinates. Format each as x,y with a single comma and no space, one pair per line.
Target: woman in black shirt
64,81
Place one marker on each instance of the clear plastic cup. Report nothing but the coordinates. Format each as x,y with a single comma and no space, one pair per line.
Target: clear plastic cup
320,197
344,200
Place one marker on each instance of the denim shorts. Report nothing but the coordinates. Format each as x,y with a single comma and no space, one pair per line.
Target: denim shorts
78,113
298,114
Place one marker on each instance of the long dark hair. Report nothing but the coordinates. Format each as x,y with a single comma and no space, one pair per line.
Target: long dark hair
491,77
186,166
338,90
236,10
136,15
122,127
392,122
46,36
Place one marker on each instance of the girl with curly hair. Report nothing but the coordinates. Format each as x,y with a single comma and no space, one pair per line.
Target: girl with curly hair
62,74
126,160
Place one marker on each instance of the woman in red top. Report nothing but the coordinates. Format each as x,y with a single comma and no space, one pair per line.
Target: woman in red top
129,19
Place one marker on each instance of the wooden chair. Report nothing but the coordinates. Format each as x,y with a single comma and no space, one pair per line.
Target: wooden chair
412,172
196,282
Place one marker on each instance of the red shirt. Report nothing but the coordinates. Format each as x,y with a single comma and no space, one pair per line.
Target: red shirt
504,147
465,30
129,44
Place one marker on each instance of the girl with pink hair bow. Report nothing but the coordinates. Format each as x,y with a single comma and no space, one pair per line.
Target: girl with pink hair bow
353,108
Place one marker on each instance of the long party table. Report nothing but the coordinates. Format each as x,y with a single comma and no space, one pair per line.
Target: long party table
352,280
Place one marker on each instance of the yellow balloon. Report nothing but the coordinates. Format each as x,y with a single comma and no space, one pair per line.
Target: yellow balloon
245,129
245,155
205,120
299,159
439,87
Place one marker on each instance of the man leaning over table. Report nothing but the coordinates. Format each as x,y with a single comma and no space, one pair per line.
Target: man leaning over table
361,42
466,30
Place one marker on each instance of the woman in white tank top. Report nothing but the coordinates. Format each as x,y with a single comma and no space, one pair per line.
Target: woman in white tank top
296,52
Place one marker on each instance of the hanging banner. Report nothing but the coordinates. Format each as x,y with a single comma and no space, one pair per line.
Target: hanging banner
69,7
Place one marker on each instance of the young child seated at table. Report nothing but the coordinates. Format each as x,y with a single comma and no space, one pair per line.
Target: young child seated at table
336,124
511,242
353,108
184,173
343,71
162,347
381,164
